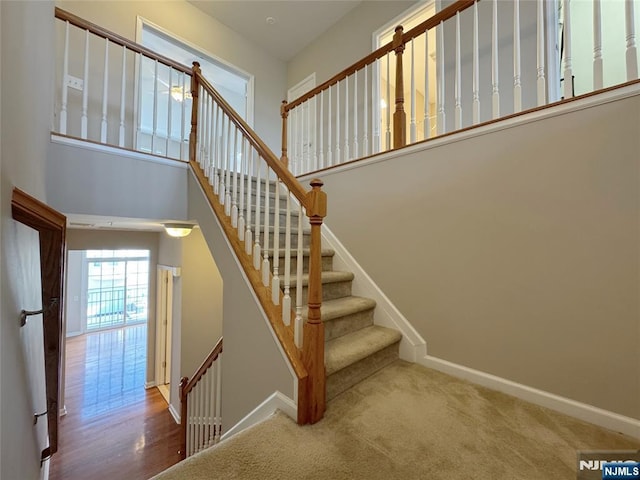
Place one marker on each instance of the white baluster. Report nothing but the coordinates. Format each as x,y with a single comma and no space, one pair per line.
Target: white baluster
299,322
223,157
376,123
189,421
517,87
105,93
217,148
275,283
182,117
211,394
257,256
365,126
321,142
495,73
123,84
458,82
413,133
155,108
440,79
337,158
243,161
228,167
265,236
630,30
206,388
540,82
248,236
169,118
137,100
203,127
426,127
211,137
65,77
598,74
85,89
355,114
312,161
201,415
389,103
234,205
286,299
346,119
219,398
329,145
476,67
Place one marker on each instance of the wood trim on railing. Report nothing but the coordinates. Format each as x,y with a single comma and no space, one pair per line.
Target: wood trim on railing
212,357
265,152
52,227
431,22
118,39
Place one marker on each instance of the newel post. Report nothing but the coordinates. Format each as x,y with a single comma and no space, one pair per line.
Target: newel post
193,136
313,337
284,113
399,116
183,417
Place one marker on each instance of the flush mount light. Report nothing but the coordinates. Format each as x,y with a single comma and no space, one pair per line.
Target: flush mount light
178,230
271,20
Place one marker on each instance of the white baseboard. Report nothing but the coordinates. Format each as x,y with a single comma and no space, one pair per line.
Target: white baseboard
276,401
412,345
63,411
588,413
148,385
175,414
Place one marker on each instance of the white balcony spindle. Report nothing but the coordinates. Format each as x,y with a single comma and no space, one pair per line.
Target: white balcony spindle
189,421
257,252
329,129
321,141
311,158
215,180
495,72
123,85
155,107
476,67
440,79
388,105
299,322
541,86
170,118
517,86
265,236
85,89
234,200
243,167
598,73
346,120
365,116
223,158
248,235
275,283
457,94
183,144
630,31
426,126
355,115
228,167
65,77
337,158
413,133
219,399
286,299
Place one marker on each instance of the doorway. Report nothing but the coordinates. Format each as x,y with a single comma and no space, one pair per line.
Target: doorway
164,323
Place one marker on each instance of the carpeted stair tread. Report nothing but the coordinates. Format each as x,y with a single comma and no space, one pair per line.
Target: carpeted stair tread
340,307
353,347
327,277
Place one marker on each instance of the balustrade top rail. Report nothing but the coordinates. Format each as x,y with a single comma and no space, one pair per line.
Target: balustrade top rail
206,364
443,15
119,40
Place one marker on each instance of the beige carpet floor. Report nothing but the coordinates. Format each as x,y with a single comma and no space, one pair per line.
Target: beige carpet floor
409,422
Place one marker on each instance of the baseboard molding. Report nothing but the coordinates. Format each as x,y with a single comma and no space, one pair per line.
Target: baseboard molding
276,401
588,413
175,414
412,345
63,410
148,385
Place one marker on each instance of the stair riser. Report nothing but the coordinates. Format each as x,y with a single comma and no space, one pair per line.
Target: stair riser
346,324
306,239
327,264
330,291
349,376
282,216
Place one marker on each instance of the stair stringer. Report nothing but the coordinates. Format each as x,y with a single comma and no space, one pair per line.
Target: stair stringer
255,365
412,346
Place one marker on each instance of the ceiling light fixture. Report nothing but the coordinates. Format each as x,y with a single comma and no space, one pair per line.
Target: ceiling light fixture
178,230
271,20
178,93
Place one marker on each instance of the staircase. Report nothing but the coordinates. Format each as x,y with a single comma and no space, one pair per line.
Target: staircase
354,347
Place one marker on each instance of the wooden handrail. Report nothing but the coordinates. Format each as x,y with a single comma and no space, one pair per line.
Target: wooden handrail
206,364
428,24
265,152
118,39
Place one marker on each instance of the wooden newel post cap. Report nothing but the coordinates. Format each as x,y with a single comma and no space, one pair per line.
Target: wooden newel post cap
283,109
316,200
398,43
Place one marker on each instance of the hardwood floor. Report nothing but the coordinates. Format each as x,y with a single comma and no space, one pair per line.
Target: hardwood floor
114,428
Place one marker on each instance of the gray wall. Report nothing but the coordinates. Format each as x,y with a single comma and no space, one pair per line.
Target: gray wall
191,24
253,366
25,97
516,252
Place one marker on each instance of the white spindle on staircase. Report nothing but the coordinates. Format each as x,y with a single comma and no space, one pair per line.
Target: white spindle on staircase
321,141
275,282
337,158
243,167
630,31
440,77
155,107
205,116
540,46
298,325
412,122
476,67
248,235
329,129
427,117
183,106
265,236
568,70
215,179
495,72
354,151
365,122
517,86
286,299
189,421
85,89
211,140
458,79
218,399
170,118
228,166
236,168
123,88
346,119
598,72
388,105
65,78
375,108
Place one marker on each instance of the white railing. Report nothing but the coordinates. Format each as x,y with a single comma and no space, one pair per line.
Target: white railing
139,100
450,73
201,418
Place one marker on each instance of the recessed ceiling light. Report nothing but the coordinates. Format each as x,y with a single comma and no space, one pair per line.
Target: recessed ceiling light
271,20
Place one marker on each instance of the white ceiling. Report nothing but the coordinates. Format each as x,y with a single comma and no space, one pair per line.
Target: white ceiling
296,22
